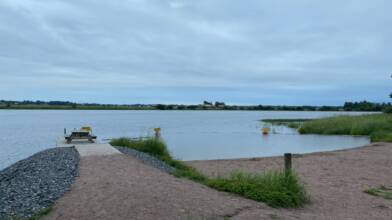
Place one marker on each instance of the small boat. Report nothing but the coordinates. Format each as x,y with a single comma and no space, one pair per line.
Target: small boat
84,133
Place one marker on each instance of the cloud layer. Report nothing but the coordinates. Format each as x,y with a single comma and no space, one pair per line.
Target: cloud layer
150,51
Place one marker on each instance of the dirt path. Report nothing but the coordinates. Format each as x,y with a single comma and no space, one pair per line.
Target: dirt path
120,187
335,181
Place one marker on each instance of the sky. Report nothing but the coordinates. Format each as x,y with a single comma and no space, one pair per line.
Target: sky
301,52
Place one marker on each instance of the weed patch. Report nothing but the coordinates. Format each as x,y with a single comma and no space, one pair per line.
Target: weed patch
276,188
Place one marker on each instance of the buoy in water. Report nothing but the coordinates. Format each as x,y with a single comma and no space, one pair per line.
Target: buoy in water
265,131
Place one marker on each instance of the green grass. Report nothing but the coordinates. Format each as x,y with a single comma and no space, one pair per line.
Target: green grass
276,189
377,126
152,146
382,191
291,123
43,212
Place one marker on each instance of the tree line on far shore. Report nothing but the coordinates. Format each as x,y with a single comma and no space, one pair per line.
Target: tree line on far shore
206,105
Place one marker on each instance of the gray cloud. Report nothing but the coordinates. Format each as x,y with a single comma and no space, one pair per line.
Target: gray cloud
277,52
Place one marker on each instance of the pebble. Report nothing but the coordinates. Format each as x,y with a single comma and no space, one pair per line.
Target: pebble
33,184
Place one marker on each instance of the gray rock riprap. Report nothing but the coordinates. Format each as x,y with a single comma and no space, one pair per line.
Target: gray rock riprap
147,159
32,184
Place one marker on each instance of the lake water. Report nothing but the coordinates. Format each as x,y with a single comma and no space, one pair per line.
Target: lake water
190,135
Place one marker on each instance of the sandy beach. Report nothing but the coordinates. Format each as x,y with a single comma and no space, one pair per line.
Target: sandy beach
335,181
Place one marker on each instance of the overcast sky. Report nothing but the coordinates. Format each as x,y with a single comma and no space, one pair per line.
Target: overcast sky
158,51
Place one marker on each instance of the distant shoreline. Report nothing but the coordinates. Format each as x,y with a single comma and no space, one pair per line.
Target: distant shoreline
154,109
363,106
183,108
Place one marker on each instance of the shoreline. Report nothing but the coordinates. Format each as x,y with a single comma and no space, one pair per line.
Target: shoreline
229,159
234,159
293,154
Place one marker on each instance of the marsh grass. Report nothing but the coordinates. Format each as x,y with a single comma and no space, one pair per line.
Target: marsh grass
377,126
277,189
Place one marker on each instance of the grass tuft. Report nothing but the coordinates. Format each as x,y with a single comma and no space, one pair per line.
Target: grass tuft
377,126
43,212
276,189
382,191
152,146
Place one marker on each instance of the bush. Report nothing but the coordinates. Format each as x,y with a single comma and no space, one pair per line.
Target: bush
274,188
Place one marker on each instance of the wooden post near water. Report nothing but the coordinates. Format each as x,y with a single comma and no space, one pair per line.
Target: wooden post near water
287,163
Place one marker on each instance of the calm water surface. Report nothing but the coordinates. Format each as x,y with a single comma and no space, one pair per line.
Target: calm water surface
190,135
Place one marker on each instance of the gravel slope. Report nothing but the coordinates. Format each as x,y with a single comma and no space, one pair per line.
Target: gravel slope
35,183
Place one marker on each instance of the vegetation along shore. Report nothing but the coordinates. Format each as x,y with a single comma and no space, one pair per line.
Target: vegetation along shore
377,126
206,105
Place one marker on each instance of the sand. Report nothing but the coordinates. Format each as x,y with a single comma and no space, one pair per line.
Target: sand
335,181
